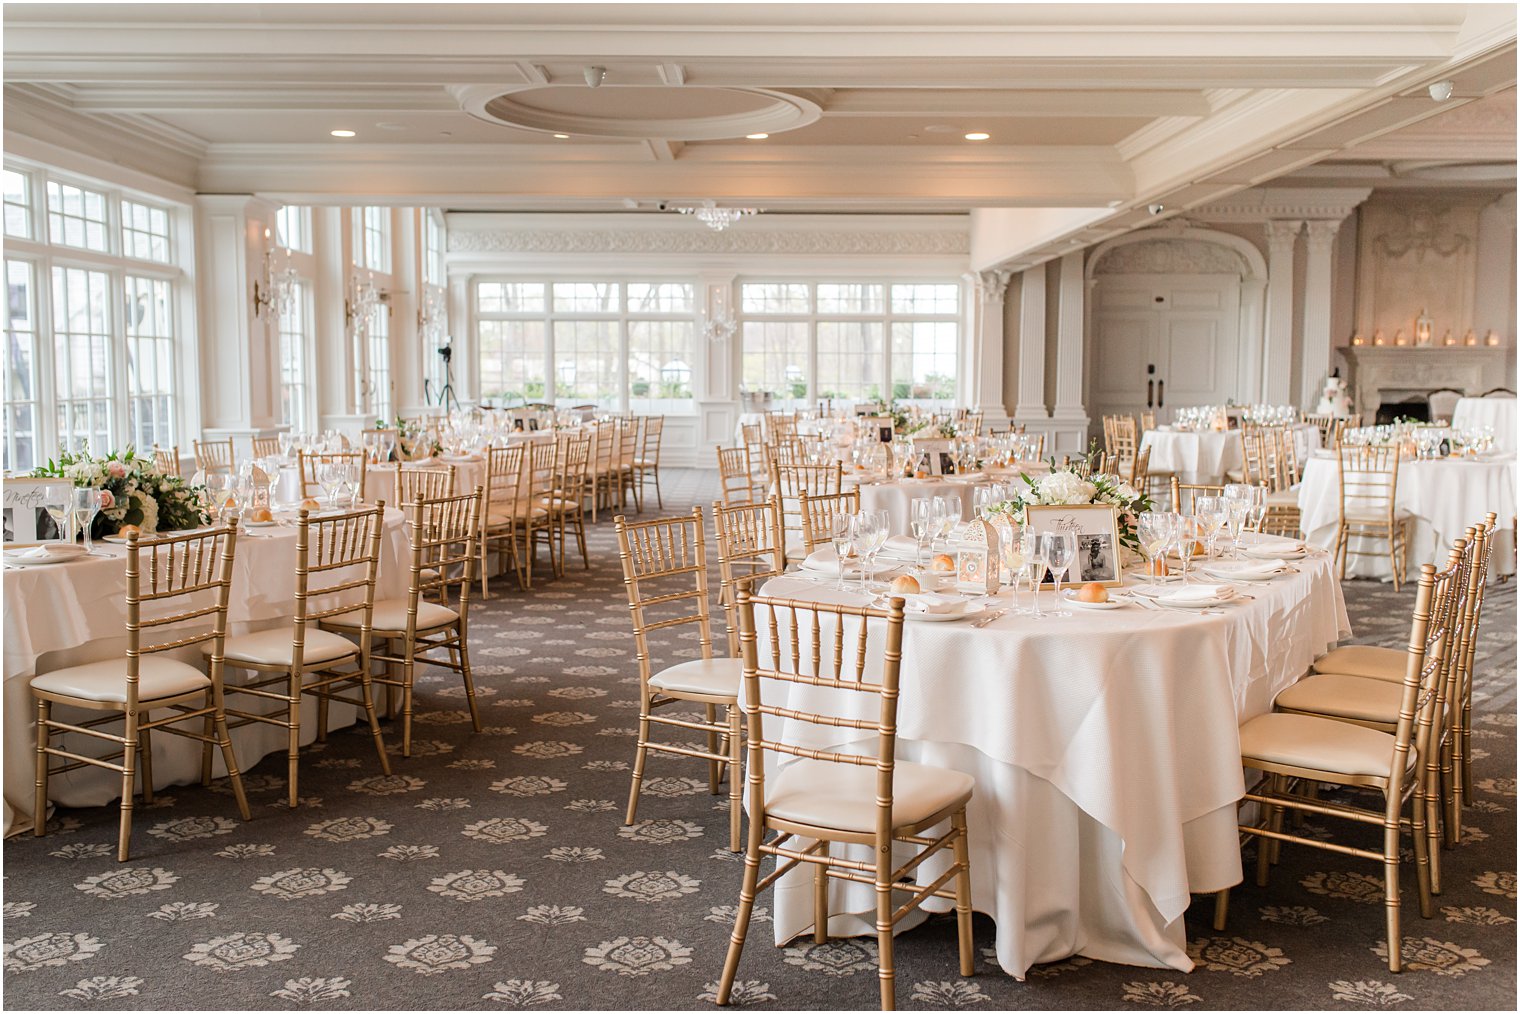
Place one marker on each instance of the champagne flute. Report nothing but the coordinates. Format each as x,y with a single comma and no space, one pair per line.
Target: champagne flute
86,505
1034,567
920,513
952,516
1154,530
1011,555
1185,537
841,534
1060,551
1209,512
880,529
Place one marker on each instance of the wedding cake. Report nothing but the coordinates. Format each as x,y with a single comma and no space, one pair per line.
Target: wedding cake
1334,400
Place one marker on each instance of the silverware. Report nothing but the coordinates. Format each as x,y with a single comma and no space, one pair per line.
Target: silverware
989,617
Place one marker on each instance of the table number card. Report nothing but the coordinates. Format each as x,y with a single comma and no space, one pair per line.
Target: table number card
26,508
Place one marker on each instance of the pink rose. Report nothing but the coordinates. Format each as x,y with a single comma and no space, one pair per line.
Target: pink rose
107,501
117,469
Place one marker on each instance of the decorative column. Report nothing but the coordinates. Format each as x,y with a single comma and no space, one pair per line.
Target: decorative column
984,358
1069,342
332,352
1319,236
1277,358
1031,388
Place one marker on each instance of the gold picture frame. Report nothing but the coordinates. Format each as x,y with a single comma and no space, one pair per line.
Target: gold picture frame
1096,525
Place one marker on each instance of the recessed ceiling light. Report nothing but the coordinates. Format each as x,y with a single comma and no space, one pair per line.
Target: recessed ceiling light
977,135
341,133
563,137
756,137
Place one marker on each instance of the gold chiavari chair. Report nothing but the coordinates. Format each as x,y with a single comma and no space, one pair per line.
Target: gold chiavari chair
1283,516
433,618
307,463
1369,486
647,464
788,482
629,430
753,439
1147,421
1326,424
414,485
750,549
789,451
214,456
188,573
1185,494
818,513
540,473
780,426
735,482
567,505
1253,464
604,475
502,512
665,574
337,561
166,462
1307,750
838,796
266,447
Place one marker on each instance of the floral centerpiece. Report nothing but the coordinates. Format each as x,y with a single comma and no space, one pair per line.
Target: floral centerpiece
905,423
136,492
413,441
1065,486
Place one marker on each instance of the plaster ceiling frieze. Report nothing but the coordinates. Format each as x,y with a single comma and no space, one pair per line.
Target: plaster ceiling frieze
1265,205
704,242
1171,257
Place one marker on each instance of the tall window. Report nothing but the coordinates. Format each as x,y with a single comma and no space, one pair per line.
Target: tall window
851,341
295,329
623,346
292,228
435,301
372,239
91,344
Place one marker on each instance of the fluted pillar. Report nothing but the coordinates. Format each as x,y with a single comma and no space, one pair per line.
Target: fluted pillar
1277,359
984,361
1319,237
1030,407
1070,340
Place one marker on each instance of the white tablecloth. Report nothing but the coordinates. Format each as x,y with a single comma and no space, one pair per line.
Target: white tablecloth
1496,413
1444,496
71,613
1107,759
896,497
380,480
1205,456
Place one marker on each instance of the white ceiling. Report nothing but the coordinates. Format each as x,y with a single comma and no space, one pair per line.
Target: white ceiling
1097,108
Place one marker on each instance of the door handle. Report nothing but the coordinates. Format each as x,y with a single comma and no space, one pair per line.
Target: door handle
1161,394
1150,394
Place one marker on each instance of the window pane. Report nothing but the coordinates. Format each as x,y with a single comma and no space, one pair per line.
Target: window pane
432,264
76,217
510,297
585,361
849,360
378,364
775,297
586,297
150,381
664,297
834,298
144,232
660,357
17,191
292,228
293,332
82,358
924,355
775,358
20,443
926,299
512,360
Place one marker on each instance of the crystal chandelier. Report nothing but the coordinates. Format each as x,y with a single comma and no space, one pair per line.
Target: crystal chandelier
715,218
720,324
274,291
359,307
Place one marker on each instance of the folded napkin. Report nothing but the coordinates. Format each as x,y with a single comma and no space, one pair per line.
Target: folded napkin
901,547
825,561
1273,551
929,602
50,551
1197,593
1247,568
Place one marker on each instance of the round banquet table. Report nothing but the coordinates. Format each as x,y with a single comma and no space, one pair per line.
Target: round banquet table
71,613
1106,753
1204,456
380,480
1444,496
1497,414
896,496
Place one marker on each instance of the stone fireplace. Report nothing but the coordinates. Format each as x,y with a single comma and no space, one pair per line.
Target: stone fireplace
1403,374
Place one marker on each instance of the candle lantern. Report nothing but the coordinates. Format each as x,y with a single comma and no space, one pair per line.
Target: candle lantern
1358,339
1377,337
1399,337
1491,339
1422,328
1448,338
1470,338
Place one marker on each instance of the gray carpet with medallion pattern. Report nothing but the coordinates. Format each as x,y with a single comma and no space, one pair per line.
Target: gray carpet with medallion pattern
493,870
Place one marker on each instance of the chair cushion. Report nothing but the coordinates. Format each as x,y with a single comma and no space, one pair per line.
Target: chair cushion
1365,660
107,681
1338,696
275,647
390,615
844,795
715,677
1321,744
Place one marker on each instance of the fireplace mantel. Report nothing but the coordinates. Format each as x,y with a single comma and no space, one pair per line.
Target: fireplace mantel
1377,368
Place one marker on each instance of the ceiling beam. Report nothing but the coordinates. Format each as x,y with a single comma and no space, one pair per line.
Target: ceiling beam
1011,102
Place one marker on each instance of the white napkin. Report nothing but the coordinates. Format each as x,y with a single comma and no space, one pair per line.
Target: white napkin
1273,551
902,547
929,602
1248,568
823,561
51,551
1197,593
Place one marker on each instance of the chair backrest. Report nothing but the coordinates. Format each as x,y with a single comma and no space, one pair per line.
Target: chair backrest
654,430
180,579
504,481
603,449
818,513
214,456
1442,403
539,469
337,561
832,651
788,451
1185,493
628,440
1125,441
166,462
665,577
1369,479
1467,642
309,461
735,482
788,482
266,447
1147,421
574,466
1428,640
750,549
1499,392
443,553
1325,423
1139,469
416,484
780,426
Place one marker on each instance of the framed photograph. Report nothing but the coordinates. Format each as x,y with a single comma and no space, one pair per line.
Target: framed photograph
934,456
882,424
25,511
1096,527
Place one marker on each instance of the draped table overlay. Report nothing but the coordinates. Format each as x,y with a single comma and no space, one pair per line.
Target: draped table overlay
1106,754
896,496
1204,456
70,613
1444,496
1495,413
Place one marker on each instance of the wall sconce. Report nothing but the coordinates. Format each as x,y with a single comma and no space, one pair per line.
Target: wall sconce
274,291
359,307
1422,328
720,325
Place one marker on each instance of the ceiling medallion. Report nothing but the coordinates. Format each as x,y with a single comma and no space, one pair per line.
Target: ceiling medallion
715,218
667,112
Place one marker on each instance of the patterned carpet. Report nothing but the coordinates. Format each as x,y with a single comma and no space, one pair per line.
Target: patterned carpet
493,870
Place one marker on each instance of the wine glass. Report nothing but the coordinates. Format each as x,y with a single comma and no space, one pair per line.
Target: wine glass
937,512
1011,554
1060,551
920,515
1154,530
1034,566
1237,502
86,504
329,476
287,443
878,529
952,516
842,534
60,509
1209,512
1258,508
1184,537
860,540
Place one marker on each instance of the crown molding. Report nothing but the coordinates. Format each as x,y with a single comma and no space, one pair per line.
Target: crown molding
1264,204
736,241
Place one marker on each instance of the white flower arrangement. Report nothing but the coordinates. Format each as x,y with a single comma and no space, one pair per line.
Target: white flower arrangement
1065,487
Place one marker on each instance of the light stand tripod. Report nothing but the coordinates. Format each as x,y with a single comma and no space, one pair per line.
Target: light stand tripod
446,392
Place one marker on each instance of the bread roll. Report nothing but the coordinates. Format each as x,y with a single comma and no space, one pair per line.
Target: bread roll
944,563
128,530
1092,591
260,514
310,504
1159,568
905,584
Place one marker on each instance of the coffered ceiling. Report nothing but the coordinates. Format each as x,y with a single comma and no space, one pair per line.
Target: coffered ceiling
1092,111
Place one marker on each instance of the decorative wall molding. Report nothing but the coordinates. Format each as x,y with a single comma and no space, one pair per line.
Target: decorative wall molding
1165,256
737,241
1251,264
1417,255
1262,204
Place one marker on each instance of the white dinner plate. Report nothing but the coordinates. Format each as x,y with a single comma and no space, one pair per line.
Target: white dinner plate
1146,591
260,524
1242,571
1070,597
18,558
972,609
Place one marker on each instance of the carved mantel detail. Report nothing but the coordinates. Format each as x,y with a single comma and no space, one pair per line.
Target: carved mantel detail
1378,369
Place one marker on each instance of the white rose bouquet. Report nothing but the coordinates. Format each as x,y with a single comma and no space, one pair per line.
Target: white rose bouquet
1065,487
136,492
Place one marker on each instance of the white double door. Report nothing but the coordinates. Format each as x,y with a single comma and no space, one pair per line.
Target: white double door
1164,341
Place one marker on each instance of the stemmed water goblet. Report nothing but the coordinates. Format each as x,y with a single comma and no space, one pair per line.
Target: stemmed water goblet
1011,554
1185,537
86,504
842,534
1034,566
952,516
329,476
1154,530
1060,551
1209,512
878,528
1237,502
920,514
1257,508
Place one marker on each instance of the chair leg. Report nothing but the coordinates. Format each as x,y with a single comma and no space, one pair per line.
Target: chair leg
224,739
1221,909
321,719
746,908
735,781
408,673
293,744
208,730
640,755
1391,889
713,775
145,747
1427,850
963,894
887,970
469,683
128,788
659,497
40,800
821,899
485,575
367,691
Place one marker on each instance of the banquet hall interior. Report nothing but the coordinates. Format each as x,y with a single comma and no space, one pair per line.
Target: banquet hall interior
793,506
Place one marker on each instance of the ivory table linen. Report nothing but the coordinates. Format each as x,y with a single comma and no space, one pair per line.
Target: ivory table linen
1495,413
